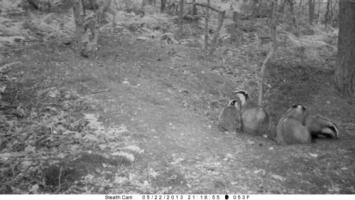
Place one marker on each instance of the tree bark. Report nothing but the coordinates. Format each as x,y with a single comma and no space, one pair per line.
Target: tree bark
194,7
207,18
319,11
273,28
327,13
311,8
216,33
291,4
151,2
235,18
300,9
181,16
255,8
78,13
282,6
162,5
345,71
300,4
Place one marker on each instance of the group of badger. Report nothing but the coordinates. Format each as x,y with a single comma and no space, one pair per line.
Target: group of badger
296,126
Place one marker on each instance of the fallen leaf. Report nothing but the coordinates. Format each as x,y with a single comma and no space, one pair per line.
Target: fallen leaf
120,180
251,142
128,156
133,148
153,173
314,155
30,149
122,129
177,161
34,189
53,93
260,171
91,137
228,157
26,163
278,177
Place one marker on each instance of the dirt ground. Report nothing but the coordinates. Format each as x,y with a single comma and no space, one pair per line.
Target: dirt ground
166,99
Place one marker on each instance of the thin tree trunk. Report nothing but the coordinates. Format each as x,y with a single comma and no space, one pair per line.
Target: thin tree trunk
194,8
300,9
345,71
291,3
181,16
282,6
334,14
319,11
151,2
255,8
216,33
273,26
331,11
311,7
235,17
300,4
206,26
78,13
162,5
235,36
327,13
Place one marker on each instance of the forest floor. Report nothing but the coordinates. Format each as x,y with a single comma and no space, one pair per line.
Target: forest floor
140,117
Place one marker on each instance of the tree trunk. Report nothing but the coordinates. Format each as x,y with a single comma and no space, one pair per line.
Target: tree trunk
291,3
300,4
207,18
235,33
255,8
235,18
181,16
273,28
216,33
327,13
345,71
194,8
292,11
162,5
334,13
282,6
78,13
311,8
319,11
300,9
151,2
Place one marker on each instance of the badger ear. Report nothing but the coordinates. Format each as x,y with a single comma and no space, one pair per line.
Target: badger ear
246,96
299,106
304,108
242,95
245,93
232,102
294,106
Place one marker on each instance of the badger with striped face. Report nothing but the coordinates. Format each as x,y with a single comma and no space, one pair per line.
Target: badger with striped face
291,127
254,119
321,127
229,118
297,127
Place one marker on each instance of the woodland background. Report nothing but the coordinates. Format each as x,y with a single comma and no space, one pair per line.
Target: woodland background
137,112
